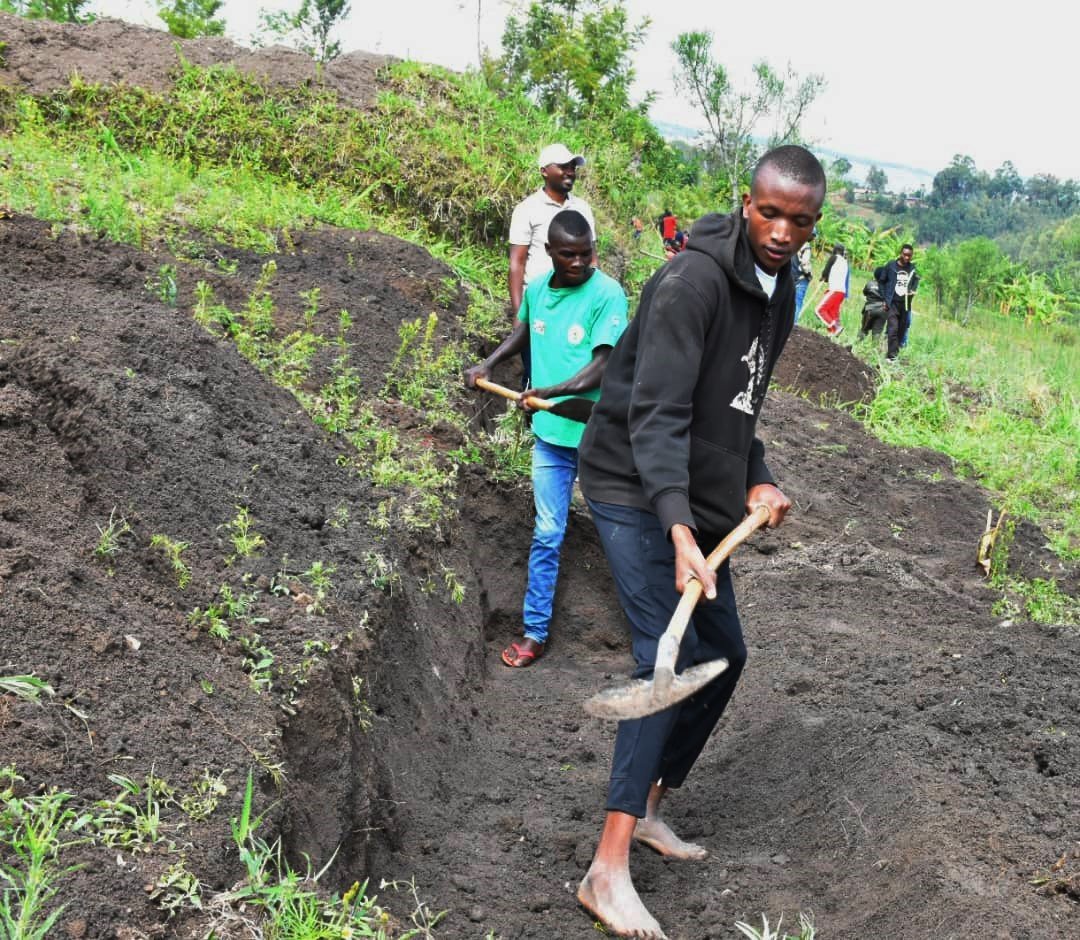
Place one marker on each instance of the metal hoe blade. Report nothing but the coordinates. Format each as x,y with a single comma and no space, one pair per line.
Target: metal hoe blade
640,697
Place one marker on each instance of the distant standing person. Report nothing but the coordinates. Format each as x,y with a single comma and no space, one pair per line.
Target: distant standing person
532,216
572,317
668,226
802,271
836,275
899,281
639,227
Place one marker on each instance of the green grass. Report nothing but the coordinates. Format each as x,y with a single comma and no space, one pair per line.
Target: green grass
1000,397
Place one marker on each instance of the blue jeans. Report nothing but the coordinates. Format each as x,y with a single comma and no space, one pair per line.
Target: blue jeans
664,746
801,283
554,469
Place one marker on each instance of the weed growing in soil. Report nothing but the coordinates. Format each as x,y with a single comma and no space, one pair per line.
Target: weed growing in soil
511,446
424,920
380,572
172,551
109,536
208,790
454,588
299,673
245,540
32,834
176,889
213,619
422,377
163,285
258,662
289,902
132,819
29,687
806,929
362,711
318,576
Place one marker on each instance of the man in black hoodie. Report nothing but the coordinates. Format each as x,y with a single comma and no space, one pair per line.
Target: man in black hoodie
669,464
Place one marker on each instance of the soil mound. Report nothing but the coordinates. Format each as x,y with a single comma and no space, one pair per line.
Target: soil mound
896,759
42,56
823,370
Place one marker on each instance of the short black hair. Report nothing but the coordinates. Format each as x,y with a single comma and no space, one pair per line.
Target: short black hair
910,248
569,223
794,163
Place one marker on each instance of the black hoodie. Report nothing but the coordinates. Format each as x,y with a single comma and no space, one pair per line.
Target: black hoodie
673,432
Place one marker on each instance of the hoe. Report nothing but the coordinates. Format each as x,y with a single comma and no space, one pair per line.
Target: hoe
640,697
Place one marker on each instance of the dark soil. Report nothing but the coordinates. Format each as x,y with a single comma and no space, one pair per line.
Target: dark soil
896,760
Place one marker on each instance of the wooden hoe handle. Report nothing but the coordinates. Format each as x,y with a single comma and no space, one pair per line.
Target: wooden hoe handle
541,404
668,648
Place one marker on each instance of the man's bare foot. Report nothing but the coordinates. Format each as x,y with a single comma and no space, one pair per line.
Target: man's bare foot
611,898
657,835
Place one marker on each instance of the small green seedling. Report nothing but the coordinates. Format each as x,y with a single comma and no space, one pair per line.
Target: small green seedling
245,540
175,890
173,550
29,687
109,535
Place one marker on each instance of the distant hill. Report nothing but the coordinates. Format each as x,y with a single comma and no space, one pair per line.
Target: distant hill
902,177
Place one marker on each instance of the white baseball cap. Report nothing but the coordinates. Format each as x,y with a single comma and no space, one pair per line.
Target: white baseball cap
559,153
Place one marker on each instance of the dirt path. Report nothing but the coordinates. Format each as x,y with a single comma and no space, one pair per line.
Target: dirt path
895,760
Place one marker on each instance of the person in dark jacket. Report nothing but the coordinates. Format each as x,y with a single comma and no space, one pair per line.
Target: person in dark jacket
874,311
899,281
669,464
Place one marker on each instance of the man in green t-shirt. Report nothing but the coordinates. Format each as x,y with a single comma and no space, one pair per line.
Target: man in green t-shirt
571,319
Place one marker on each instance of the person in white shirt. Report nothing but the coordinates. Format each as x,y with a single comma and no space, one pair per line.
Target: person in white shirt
532,216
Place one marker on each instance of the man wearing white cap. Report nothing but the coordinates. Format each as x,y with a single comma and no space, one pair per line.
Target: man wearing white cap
531,217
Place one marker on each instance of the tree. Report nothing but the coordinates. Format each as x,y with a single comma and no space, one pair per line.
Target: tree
876,180
840,167
309,28
573,56
1044,189
732,115
959,180
1006,182
190,18
62,11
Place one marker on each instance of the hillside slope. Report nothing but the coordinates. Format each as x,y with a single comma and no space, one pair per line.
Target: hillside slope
896,759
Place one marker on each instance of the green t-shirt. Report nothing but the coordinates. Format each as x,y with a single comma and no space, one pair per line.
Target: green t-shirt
565,325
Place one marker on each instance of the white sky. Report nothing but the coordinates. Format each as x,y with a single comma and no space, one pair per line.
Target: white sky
911,82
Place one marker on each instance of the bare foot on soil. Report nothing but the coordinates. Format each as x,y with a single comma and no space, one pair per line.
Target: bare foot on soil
657,835
610,897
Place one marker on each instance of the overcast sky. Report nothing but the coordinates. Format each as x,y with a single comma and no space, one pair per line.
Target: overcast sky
911,81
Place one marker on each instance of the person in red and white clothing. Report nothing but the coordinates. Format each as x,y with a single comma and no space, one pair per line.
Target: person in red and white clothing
837,275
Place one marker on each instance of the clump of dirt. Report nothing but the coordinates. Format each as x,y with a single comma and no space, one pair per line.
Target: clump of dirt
896,759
